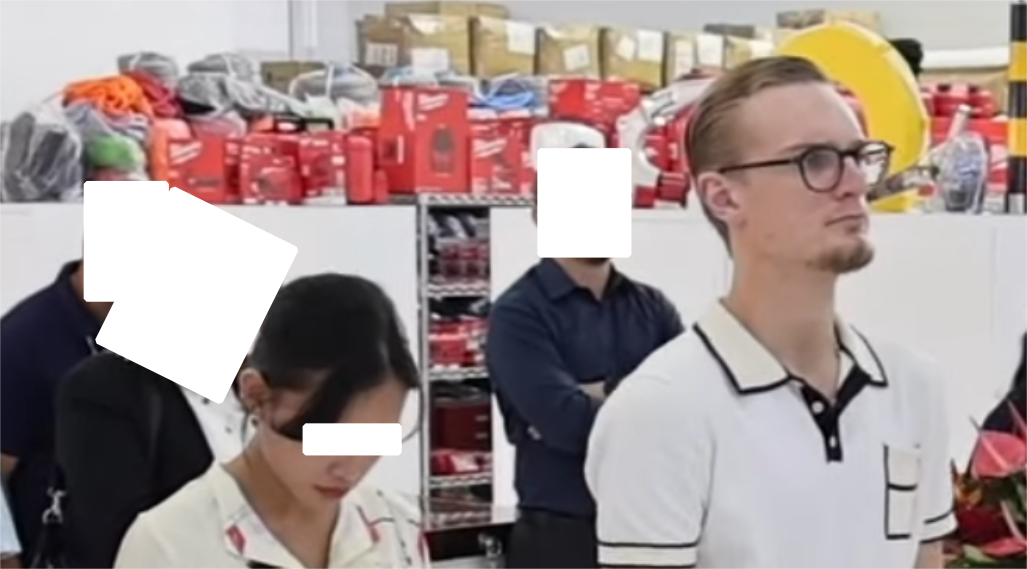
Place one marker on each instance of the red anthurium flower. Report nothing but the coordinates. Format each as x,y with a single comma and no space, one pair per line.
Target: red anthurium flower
1013,544
1005,547
998,455
980,525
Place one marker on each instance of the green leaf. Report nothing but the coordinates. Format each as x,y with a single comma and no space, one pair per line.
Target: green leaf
975,555
1021,488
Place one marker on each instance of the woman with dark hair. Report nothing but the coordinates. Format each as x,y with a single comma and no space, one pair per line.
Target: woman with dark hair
331,350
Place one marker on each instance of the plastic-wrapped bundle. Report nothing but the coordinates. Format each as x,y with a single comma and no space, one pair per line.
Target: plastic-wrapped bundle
225,124
218,93
157,65
112,143
514,92
42,157
537,85
336,82
470,84
90,122
116,153
408,76
233,64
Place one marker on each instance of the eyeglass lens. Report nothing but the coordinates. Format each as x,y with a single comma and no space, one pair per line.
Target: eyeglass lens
823,167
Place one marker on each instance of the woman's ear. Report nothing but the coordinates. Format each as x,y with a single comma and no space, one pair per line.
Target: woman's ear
254,392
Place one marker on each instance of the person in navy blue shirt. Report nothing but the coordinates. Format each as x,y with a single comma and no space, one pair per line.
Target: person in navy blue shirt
42,338
559,341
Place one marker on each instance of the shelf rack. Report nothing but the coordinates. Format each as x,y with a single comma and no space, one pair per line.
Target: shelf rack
429,204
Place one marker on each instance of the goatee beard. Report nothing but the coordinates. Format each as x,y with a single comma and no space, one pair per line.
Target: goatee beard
846,261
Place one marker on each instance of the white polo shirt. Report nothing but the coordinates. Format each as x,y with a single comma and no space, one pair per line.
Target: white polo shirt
209,523
713,455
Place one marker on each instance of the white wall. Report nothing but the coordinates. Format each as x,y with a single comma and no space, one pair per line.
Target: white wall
939,25
47,43
332,34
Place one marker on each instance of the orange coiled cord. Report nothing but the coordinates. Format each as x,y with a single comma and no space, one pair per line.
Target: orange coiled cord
116,95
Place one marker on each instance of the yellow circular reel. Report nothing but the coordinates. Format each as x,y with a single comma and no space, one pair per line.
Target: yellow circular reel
876,74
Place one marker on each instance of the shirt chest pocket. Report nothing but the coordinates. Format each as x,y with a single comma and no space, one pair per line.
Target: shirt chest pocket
902,480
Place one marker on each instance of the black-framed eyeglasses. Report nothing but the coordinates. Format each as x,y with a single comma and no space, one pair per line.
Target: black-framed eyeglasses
822,167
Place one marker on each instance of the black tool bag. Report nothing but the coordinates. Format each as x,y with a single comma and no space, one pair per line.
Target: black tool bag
51,551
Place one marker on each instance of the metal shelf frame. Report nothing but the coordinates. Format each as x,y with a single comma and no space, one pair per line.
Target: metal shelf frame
428,204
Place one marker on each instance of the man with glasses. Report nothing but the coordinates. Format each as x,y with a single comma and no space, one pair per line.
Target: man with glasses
776,435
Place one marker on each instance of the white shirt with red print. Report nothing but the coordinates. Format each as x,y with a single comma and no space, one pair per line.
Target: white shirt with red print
209,523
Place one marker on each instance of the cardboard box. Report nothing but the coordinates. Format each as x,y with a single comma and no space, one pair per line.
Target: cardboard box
461,9
734,30
738,50
569,50
279,74
501,47
633,55
779,35
798,19
710,52
422,41
679,57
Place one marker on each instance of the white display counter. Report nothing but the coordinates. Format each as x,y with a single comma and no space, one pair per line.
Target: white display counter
954,287
378,243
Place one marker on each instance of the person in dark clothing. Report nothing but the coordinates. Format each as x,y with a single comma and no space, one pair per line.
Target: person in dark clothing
559,340
1001,417
41,338
126,439
912,51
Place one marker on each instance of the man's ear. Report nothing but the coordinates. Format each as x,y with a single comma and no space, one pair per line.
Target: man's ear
715,193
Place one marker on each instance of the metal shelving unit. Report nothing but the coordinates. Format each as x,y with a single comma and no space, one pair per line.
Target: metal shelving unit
471,289
430,290
456,374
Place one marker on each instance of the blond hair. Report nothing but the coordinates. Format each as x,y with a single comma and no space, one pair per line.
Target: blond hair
712,139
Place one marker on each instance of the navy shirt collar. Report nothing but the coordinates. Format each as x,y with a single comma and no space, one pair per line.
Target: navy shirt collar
557,283
79,316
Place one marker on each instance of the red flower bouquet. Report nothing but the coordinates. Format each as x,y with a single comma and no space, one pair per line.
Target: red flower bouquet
991,502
